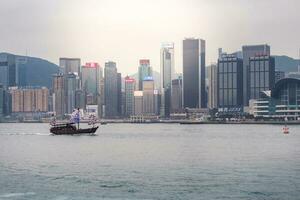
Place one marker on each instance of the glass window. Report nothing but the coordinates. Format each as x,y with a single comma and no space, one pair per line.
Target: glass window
252,95
234,80
256,79
267,65
221,97
267,85
234,67
225,97
225,67
256,66
220,67
230,67
252,80
234,97
252,66
221,84
230,80
262,79
225,81
230,100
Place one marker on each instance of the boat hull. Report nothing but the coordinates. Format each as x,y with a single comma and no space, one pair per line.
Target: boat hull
72,130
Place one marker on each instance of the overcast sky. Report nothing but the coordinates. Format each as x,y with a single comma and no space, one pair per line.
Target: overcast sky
127,30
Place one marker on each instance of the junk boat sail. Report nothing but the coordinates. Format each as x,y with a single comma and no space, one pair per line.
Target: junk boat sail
71,128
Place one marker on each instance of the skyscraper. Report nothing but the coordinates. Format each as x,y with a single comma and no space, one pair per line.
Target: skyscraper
72,82
129,96
167,74
111,89
279,75
176,95
58,86
144,71
262,74
1,101
8,72
194,73
212,86
119,89
70,65
230,82
148,96
250,51
91,81
138,102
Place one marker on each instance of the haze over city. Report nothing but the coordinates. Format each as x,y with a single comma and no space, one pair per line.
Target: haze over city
126,31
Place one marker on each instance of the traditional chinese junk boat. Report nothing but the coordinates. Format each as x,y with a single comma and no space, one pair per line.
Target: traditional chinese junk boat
71,128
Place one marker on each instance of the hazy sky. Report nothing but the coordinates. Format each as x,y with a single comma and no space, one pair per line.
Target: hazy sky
127,30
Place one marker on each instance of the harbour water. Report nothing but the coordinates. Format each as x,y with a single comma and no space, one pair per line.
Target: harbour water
151,161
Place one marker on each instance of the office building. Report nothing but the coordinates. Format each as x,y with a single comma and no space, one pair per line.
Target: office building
230,83
138,102
144,71
212,74
70,65
250,51
262,74
119,89
279,75
111,90
148,96
58,87
167,74
8,73
129,96
91,81
71,83
2,96
194,73
176,95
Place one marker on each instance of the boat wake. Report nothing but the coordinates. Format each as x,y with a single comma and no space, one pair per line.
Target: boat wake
39,134
10,195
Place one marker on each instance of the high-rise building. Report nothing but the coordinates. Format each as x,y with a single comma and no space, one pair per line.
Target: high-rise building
111,89
212,74
250,51
176,95
129,96
230,82
58,87
144,71
30,100
119,89
1,101
72,83
138,102
262,74
91,81
21,80
148,96
194,73
8,72
167,74
70,65
279,75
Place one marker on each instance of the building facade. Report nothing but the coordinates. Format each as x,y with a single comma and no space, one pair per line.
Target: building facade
144,71
138,102
194,73
279,75
262,74
129,96
167,74
58,87
71,83
230,82
8,72
111,89
176,95
212,86
250,51
91,81
148,96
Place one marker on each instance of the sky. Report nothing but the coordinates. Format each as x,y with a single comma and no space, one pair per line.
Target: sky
125,31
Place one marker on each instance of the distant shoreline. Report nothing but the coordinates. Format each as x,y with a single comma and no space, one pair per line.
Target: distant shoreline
182,122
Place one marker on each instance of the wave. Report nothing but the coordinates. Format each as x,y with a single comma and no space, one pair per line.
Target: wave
9,195
39,134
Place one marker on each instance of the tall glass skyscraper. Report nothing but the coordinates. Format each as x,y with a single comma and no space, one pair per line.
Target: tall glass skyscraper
144,71
230,82
262,74
250,51
167,73
194,73
111,89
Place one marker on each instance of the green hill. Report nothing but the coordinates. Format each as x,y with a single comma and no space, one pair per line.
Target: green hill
286,64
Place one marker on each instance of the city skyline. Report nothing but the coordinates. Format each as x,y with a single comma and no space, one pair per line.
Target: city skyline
124,32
